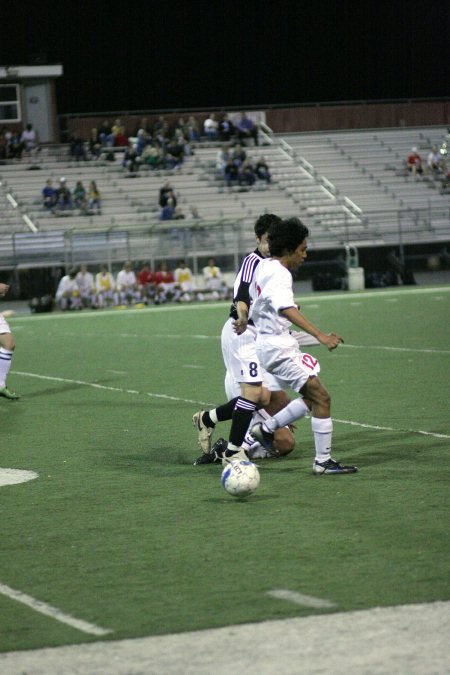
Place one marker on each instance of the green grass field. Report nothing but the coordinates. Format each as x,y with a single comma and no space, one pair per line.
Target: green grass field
121,531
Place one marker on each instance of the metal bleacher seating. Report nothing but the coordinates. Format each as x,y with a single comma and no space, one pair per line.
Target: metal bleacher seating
346,187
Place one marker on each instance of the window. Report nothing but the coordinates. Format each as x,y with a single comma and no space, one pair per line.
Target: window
10,103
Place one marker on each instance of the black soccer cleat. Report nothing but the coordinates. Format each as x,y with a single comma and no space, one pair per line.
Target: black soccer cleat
215,456
332,467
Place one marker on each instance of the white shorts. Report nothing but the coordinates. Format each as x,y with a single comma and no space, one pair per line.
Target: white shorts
241,361
4,328
281,357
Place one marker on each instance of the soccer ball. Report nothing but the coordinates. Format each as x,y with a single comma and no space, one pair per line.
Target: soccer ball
240,478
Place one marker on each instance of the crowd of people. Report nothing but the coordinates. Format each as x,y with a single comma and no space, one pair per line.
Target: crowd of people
63,200
235,168
15,144
80,288
434,165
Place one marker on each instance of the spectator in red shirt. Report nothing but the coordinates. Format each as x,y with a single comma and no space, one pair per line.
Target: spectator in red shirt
414,162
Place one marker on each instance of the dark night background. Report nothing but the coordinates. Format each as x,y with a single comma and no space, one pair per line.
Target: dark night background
188,54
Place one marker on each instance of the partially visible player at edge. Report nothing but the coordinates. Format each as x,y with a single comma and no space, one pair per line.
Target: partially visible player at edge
273,310
7,346
247,385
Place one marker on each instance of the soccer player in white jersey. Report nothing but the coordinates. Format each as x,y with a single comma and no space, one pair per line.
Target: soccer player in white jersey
244,372
7,346
68,292
85,281
273,312
127,284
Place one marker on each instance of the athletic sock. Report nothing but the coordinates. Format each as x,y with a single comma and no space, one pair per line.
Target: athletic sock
295,410
220,414
240,421
323,431
5,365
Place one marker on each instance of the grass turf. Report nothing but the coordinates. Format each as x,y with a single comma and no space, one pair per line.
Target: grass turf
122,531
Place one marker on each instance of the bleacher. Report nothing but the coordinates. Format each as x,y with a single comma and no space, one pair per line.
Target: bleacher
346,186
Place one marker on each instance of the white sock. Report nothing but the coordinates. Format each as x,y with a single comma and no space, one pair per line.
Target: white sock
323,431
213,416
5,365
295,410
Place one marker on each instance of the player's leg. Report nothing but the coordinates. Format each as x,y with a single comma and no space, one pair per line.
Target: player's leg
7,347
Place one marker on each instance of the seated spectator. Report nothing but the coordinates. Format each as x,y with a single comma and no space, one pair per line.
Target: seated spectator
212,277
247,175
79,197
262,170
105,287
152,157
49,195
414,162
160,126
167,211
95,146
231,173
223,155
226,128
68,292
192,130
127,286
63,196
28,138
131,160
77,147
174,154
105,134
194,213
165,193
146,283
85,281
247,129
164,284
94,198
211,128
238,155
14,145
435,161
178,213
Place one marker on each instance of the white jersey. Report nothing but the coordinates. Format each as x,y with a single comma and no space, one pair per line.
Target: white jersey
126,279
85,281
271,292
67,286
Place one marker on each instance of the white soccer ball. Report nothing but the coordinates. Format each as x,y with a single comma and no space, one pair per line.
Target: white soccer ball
240,478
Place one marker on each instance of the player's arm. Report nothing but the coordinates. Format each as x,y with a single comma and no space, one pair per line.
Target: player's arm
242,321
330,341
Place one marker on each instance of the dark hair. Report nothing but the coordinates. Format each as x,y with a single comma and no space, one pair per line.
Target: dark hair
264,222
286,236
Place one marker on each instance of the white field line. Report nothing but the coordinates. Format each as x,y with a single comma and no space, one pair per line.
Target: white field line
94,385
205,403
300,599
305,300
53,612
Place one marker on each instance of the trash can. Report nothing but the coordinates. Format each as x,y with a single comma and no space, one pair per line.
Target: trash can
355,278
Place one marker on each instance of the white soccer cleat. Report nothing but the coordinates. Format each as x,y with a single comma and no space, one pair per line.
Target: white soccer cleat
204,432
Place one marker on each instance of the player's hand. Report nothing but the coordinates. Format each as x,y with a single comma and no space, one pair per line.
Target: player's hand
4,288
331,341
240,325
